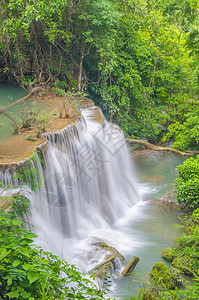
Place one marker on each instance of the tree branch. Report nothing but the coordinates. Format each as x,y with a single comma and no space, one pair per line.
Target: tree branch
158,148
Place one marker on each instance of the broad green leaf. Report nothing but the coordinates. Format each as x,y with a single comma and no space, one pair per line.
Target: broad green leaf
30,236
25,241
4,253
27,267
12,295
17,222
16,263
25,295
44,261
9,282
33,276
25,252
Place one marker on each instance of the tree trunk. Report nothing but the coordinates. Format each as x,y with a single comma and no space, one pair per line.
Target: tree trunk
81,67
158,148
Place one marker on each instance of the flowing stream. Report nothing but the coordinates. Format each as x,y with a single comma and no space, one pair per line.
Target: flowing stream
89,191
153,227
92,191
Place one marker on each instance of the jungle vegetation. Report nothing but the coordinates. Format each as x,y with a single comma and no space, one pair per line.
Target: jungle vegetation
137,59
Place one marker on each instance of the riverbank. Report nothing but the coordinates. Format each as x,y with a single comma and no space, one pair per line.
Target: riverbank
18,148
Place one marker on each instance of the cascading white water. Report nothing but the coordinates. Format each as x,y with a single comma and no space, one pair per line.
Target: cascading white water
87,187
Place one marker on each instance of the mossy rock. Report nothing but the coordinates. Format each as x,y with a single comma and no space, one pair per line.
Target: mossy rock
184,264
168,254
111,249
165,276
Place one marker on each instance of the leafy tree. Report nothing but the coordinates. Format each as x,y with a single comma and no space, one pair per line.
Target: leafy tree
185,135
149,79
187,183
137,59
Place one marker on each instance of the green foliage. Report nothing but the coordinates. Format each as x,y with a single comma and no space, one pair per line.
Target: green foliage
59,88
186,246
41,123
186,252
27,272
30,137
150,76
138,60
187,182
186,134
168,254
20,205
166,276
29,115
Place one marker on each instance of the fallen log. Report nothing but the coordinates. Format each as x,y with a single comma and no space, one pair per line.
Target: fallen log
159,148
105,268
130,267
102,270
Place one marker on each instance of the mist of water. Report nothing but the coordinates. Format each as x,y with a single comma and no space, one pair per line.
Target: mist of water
88,190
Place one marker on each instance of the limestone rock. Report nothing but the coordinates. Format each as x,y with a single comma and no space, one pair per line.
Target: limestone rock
110,249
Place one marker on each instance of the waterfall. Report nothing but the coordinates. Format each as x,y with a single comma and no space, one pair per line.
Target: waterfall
87,187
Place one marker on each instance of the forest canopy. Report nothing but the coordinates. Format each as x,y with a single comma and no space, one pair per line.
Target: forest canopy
137,59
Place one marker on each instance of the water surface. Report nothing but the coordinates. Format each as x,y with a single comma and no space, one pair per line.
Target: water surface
152,227
9,94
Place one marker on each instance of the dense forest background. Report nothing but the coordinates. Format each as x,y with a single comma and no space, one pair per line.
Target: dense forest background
137,59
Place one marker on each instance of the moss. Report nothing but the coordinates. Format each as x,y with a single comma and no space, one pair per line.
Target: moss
184,264
111,249
168,254
165,276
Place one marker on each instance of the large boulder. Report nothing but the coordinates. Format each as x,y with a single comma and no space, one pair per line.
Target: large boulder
168,254
168,277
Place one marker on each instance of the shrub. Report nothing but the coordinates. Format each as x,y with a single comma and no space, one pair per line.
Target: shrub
30,137
168,254
187,183
28,115
185,135
41,123
167,276
27,272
